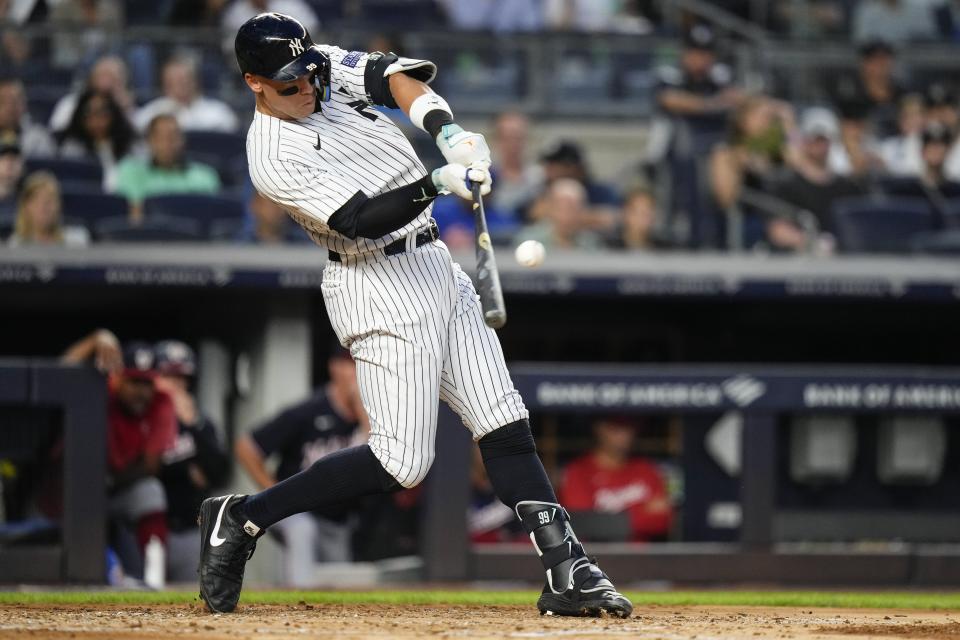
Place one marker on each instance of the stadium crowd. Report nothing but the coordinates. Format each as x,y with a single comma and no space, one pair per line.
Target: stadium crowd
147,144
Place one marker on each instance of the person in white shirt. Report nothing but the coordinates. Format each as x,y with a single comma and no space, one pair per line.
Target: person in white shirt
182,99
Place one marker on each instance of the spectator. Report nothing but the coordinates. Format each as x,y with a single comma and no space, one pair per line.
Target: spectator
501,16
900,154
269,224
746,164
332,419
39,219
565,160
108,75
894,21
165,170
34,139
197,13
701,90
936,141
100,131
637,230
15,49
518,180
86,26
141,427
563,209
610,479
11,173
242,10
194,465
182,98
941,103
454,217
590,15
872,94
810,184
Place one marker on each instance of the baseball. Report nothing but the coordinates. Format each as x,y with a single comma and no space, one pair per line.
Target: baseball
530,253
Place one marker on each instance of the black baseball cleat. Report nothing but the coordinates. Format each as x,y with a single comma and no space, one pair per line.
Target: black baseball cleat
589,593
225,546
575,584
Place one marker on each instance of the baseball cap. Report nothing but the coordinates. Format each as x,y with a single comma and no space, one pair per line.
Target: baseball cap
175,358
139,360
700,36
876,46
9,143
819,122
564,152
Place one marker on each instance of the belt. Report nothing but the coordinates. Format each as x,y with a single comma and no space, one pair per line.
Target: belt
424,236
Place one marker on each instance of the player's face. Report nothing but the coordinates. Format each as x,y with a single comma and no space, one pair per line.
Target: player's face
135,395
286,100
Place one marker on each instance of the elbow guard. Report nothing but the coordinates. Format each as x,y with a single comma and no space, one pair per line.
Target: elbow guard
380,66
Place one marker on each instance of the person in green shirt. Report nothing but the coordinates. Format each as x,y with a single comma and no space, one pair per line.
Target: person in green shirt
165,171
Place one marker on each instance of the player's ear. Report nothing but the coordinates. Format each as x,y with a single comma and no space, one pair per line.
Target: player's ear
253,82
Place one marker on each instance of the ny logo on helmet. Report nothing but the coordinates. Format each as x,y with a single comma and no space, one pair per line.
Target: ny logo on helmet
295,47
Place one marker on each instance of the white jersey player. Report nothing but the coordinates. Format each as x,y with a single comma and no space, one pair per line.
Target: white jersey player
409,315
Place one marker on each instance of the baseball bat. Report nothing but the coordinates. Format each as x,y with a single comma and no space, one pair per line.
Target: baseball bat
488,276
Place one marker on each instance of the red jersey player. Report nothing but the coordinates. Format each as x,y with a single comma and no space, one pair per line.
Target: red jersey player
610,480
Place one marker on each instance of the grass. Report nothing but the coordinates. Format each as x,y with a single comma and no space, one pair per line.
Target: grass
870,600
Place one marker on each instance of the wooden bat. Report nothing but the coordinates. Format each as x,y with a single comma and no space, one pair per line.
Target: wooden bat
488,276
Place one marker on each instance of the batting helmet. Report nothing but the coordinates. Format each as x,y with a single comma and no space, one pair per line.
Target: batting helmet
278,47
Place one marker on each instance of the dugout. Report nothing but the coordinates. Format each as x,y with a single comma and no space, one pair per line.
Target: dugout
907,536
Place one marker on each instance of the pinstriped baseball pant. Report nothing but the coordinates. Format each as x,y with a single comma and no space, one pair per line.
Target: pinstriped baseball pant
414,326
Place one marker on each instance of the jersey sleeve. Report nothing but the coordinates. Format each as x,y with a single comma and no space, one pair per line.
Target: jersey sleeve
363,75
347,70
308,193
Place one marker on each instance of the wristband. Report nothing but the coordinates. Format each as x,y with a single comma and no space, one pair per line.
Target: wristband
423,105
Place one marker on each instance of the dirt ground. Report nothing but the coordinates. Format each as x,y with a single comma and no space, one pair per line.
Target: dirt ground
396,621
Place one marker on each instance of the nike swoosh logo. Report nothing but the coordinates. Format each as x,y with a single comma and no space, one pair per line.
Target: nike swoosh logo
215,539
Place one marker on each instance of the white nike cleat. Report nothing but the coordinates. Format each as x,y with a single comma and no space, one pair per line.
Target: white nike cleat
225,546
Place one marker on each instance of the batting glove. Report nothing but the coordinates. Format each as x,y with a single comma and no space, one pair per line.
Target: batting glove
458,179
463,147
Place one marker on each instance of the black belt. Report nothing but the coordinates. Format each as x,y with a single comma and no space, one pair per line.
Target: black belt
426,236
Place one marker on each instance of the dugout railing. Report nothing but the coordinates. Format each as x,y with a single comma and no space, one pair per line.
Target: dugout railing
56,414
760,394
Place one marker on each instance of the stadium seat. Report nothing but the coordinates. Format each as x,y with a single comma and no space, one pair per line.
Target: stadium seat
946,243
864,225
6,226
203,210
68,171
909,187
156,230
225,145
88,207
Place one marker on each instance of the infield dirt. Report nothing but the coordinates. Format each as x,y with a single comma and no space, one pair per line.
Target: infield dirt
276,622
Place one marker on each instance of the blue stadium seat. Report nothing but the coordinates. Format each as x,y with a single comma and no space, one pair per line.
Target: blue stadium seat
6,226
203,210
155,230
944,243
225,152
227,145
910,187
864,225
87,207
73,171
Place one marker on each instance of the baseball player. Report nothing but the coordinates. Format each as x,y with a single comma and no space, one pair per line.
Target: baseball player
409,315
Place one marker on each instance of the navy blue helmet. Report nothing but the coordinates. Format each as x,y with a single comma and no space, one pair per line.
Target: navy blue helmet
279,47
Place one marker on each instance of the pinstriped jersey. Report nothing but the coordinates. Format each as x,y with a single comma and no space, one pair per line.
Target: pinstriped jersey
313,166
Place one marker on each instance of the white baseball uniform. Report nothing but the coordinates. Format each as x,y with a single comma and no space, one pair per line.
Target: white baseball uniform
412,321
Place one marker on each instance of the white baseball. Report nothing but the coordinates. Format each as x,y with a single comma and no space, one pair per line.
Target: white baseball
530,253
